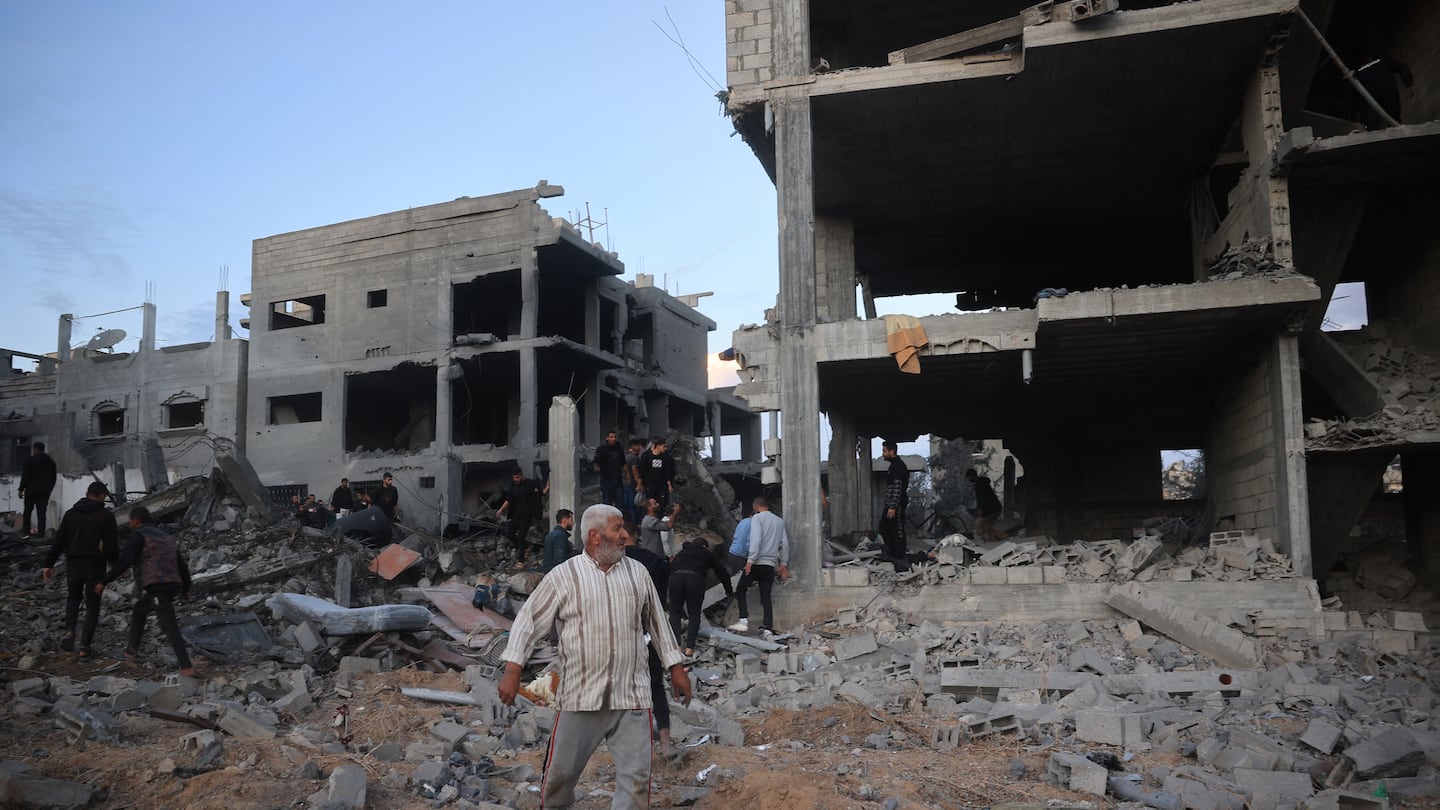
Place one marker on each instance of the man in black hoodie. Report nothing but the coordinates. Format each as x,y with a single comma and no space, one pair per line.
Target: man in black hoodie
162,575
87,539
37,480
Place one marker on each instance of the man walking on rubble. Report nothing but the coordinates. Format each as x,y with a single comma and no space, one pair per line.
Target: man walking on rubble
603,603
769,555
87,539
37,481
897,498
609,461
521,501
162,575
987,507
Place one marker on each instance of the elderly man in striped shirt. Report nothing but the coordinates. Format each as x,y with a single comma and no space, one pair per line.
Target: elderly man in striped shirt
603,604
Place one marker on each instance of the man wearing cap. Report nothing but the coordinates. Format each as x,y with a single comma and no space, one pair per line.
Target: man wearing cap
87,539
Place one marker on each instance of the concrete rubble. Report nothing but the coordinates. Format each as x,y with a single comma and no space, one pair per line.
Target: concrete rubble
1264,711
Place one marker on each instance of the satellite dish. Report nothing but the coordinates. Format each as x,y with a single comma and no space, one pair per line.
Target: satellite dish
105,339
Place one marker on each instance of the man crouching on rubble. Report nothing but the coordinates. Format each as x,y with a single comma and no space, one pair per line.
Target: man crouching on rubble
162,575
603,604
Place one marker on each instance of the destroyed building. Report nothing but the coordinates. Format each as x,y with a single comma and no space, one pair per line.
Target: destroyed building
431,342
1143,213
139,420
428,342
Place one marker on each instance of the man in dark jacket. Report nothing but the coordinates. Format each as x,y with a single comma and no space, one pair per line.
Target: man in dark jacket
162,575
609,461
37,481
521,501
388,498
688,570
897,498
342,500
659,569
987,507
87,539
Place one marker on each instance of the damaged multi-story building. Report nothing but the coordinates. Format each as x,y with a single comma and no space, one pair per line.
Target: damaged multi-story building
1143,212
428,342
431,342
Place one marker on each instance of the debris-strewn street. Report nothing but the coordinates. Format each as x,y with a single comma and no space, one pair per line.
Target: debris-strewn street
332,674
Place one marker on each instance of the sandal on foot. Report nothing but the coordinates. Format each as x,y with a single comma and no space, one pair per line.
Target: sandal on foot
188,672
67,642
129,654
86,653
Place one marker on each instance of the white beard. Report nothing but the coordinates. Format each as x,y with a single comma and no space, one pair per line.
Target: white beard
608,556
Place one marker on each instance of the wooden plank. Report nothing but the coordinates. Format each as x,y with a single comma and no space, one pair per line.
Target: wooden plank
963,41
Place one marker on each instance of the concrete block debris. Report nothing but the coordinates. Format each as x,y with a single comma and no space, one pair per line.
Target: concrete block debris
1077,773
1392,753
1187,626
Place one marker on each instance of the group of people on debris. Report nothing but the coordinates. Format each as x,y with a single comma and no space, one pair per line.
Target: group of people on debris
346,502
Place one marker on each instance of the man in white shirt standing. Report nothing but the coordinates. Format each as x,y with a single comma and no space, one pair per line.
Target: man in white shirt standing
768,557
603,604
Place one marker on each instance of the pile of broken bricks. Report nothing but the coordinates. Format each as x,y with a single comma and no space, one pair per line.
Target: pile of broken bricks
1407,379
1229,556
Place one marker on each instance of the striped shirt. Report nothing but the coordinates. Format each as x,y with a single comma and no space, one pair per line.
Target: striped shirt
602,618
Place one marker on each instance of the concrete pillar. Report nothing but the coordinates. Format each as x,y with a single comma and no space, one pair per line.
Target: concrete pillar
835,258
1292,507
525,427
844,482
444,383
564,466
1422,515
865,516
147,329
751,446
222,316
62,343
715,418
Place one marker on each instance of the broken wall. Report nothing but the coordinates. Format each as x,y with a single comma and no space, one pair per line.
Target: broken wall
1254,458
748,26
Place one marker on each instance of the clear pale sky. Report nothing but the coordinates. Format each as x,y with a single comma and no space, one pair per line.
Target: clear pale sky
153,141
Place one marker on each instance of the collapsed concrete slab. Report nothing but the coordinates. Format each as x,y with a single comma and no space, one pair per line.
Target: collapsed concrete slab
1186,625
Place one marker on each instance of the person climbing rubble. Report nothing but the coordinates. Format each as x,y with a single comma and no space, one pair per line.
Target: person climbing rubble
162,576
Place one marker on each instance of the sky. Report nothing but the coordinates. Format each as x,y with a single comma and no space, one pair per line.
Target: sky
149,144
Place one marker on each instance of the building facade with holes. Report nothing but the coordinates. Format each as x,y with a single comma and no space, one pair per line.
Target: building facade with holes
137,420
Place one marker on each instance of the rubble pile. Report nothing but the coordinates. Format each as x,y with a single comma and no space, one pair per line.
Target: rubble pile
1228,556
1253,259
358,676
1408,380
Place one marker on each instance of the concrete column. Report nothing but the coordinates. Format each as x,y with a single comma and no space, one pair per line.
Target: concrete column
751,446
147,329
525,432
222,316
564,466
1422,515
594,413
835,257
844,482
62,342
717,430
865,517
529,294
444,386
1292,506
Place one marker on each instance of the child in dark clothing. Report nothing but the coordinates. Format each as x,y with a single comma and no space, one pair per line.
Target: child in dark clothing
162,575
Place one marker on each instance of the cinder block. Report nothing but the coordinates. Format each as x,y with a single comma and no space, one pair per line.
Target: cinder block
1271,790
848,647
987,575
1077,773
1024,575
846,576
1110,727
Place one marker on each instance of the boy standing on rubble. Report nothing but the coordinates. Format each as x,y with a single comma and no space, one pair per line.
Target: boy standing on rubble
162,575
